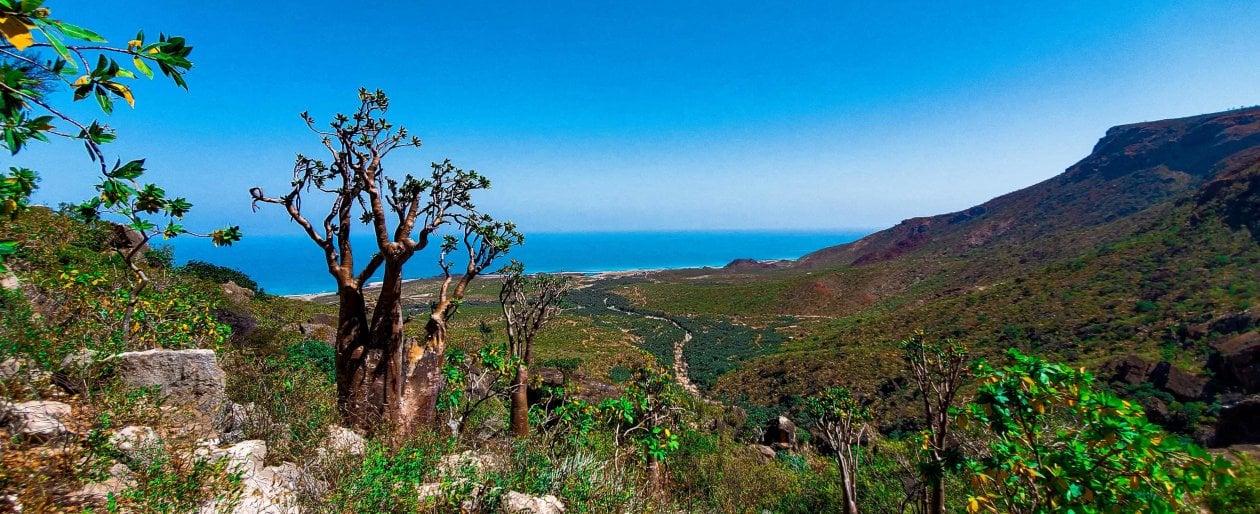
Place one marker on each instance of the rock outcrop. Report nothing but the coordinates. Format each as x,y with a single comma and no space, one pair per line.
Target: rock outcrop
264,489
1237,362
520,503
35,421
184,376
781,434
1134,370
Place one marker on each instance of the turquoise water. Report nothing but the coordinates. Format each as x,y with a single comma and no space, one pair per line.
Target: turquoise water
294,265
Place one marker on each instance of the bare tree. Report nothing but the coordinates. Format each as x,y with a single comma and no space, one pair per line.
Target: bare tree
528,303
938,372
384,377
843,421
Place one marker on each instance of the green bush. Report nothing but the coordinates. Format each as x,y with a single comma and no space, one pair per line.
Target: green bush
218,274
1242,496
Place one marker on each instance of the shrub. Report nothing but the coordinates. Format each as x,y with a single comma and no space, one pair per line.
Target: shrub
218,274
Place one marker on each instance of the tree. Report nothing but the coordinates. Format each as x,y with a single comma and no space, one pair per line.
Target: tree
1059,444
28,113
645,416
938,373
528,302
384,377
842,420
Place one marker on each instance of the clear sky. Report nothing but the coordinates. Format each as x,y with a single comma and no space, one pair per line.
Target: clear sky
669,115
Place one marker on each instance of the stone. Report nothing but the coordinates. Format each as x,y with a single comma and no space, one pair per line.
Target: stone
36,421
126,238
520,503
81,359
138,443
185,376
75,371
780,434
241,321
120,478
10,282
1183,386
9,368
342,440
452,465
323,333
237,294
1134,370
1237,362
1238,423
765,453
1130,369
264,489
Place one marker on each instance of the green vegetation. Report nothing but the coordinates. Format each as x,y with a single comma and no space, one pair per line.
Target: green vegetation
1057,443
218,274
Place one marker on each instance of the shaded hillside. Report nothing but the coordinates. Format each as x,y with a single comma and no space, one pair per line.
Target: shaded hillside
1132,168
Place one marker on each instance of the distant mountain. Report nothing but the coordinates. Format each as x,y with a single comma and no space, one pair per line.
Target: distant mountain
1131,169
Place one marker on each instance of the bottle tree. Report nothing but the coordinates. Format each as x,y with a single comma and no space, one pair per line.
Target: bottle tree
385,377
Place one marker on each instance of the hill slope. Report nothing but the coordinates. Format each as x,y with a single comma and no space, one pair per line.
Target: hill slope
1130,252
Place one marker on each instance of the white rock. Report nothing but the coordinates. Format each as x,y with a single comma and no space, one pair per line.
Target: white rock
517,503
120,478
344,440
10,282
36,421
9,368
264,489
136,442
190,376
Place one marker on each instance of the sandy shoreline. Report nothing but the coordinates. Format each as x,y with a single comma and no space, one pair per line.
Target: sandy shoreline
596,275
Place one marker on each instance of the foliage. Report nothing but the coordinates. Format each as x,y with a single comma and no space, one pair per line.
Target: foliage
81,61
843,421
646,413
388,479
1058,443
1240,496
218,274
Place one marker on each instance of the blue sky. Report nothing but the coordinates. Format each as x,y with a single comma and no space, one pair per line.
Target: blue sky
606,116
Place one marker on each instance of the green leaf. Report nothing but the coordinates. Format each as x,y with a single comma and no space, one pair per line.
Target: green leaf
60,48
142,67
77,32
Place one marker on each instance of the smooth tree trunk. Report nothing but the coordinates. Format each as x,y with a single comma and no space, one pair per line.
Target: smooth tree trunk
519,425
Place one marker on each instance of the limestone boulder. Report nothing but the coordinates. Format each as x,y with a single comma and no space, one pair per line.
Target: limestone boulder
264,489
36,421
191,377
521,503
342,440
237,294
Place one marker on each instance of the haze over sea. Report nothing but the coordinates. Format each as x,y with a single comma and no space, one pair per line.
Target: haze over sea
292,264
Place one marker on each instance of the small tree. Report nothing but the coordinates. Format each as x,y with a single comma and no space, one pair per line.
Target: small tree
528,303
382,375
938,373
1058,444
842,421
645,417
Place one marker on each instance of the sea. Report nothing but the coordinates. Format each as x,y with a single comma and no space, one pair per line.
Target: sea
293,265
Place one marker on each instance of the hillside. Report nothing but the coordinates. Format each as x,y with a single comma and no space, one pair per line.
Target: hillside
1133,251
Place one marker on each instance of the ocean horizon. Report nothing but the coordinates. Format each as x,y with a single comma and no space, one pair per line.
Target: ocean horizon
293,265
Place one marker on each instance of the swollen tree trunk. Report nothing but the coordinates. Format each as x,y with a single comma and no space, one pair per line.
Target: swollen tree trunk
519,425
384,378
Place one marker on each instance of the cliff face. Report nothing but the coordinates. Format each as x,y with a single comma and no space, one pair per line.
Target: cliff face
1132,169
